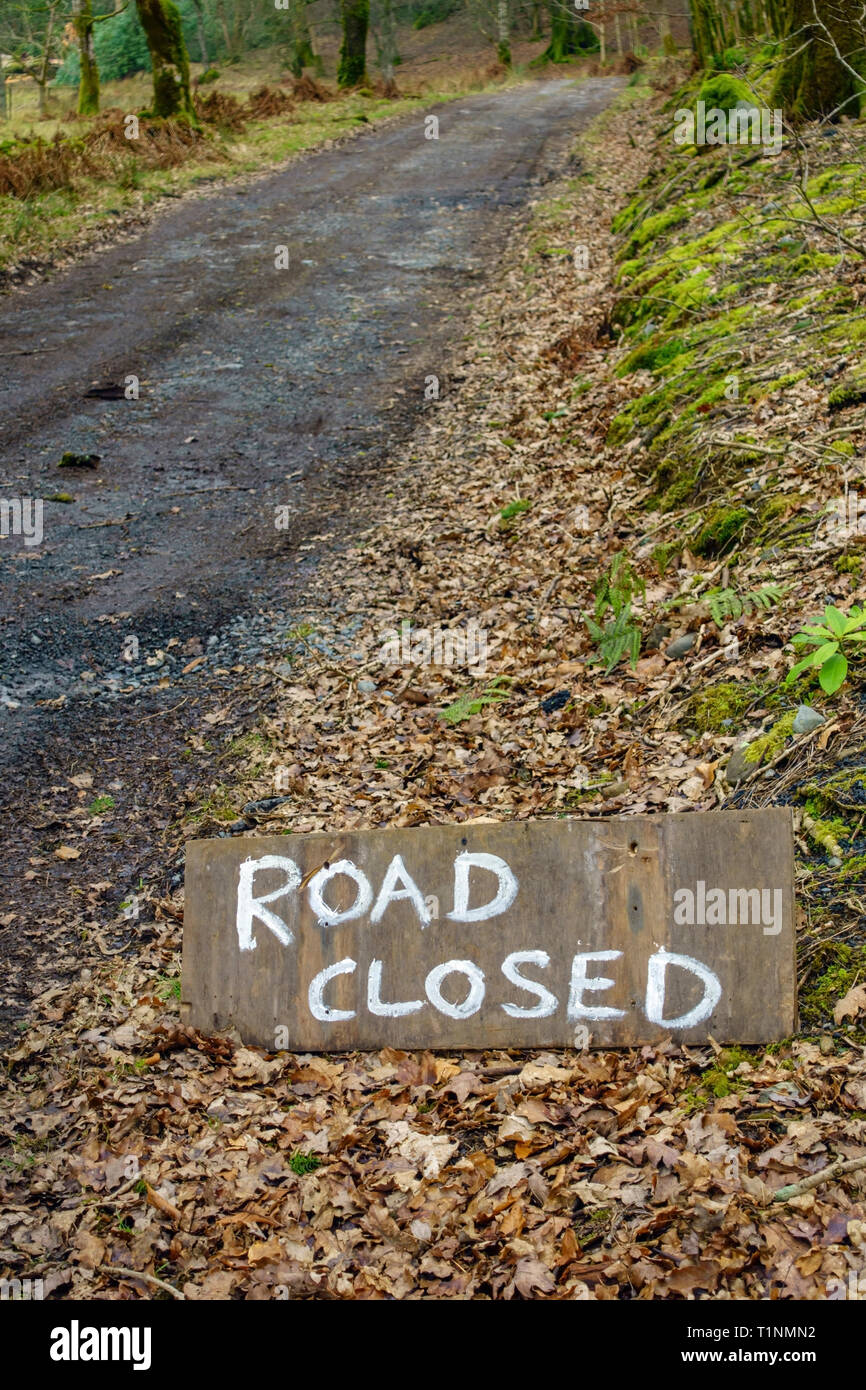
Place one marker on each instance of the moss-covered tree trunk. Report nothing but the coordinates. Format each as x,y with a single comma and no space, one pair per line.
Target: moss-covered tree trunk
568,34
88,81
719,24
160,20
818,76
708,29
301,44
355,18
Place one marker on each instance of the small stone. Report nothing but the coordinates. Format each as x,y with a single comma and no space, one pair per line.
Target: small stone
614,789
681,645
656,636
806,719
555,702
366,687
738,767
267,803
826,1045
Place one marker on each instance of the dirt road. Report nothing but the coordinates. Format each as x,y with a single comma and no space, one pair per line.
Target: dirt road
257,352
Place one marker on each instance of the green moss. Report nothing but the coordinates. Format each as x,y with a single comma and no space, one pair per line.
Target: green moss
722,525
735,57
846,334
733,1057
812,261
848,394
653,228
826,834
845,789
253,748
719,1080
652,355
719,707
217,806
664,553
767,388
803,301
679,491
835,972
834,207
725,92
845,447
674,481
768,745
773,507
628,214
853,870
848,564
640,414
839,177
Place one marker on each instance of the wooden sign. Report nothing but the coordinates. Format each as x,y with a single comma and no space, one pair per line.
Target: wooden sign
526,934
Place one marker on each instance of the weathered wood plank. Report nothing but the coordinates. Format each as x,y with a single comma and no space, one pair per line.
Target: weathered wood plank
715,888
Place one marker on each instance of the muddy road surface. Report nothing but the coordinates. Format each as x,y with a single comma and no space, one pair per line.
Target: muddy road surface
226,387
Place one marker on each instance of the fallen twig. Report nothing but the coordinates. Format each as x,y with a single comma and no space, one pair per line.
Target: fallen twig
835,1170
148,1279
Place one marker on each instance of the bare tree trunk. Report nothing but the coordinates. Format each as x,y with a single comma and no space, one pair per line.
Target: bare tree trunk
42,78
389,56
202,38
503,46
